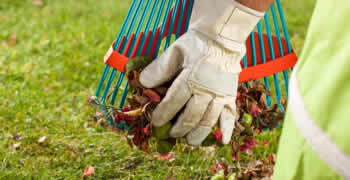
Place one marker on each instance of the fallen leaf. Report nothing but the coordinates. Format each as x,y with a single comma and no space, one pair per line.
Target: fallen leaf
169,156
16,145
42,139
126,109
146,130
249,152
13,39
88,171
212,169
16,137
271,158
218,135
100,149
101,122
152,95
235,156
37,3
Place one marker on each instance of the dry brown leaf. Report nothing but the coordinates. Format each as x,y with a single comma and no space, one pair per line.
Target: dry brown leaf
13,39
37,3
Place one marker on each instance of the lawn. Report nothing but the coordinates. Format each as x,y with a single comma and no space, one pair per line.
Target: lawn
50,62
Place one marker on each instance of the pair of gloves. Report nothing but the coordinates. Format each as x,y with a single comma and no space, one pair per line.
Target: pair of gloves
205,63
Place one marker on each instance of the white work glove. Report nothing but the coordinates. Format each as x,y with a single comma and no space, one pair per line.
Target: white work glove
206,64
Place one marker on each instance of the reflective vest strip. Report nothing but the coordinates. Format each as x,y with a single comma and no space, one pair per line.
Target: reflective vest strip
327,150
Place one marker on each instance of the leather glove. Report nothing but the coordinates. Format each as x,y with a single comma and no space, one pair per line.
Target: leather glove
205,63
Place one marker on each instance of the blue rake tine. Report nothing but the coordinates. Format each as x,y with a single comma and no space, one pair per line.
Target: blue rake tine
284,26
245,65
280,46
263,59
125,92
165,19
172,23
252,46
179,26
138,31
253,50
189,10
148,26
170,30
119,37
155,27
130,50
113,73
120,78
272,54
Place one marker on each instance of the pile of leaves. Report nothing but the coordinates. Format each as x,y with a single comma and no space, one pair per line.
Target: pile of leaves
254,116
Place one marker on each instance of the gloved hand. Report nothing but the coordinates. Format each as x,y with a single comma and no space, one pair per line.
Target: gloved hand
206,64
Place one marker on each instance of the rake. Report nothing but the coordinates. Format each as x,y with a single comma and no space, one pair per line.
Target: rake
151,26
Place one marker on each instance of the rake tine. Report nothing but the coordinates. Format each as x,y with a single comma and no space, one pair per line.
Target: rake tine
245,65
131,50
113,73
164,23
121,77
263,59
148,26
272,54
119,37
280,46
179,22
284,26
189,12
172,23
125,24
155,28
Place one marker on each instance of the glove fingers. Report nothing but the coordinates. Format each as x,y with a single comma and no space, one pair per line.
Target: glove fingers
192,114
210,118
176,97
227,122
164,68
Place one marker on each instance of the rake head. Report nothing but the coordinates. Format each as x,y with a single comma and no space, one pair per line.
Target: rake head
152,25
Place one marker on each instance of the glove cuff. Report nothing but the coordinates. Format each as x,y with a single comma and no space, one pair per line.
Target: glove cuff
226,21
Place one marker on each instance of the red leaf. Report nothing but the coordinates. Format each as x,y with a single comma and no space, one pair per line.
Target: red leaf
258,131
111,128
117,119
152,95
126,117
265,143
220,166
126,109
137,139
165,156
235,156
146,130
233,145
243,147
249,152
254,110
88,171
250,142
252,172
212,169
218,135
271,158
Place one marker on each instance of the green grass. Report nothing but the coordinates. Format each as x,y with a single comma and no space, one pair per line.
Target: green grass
46,77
